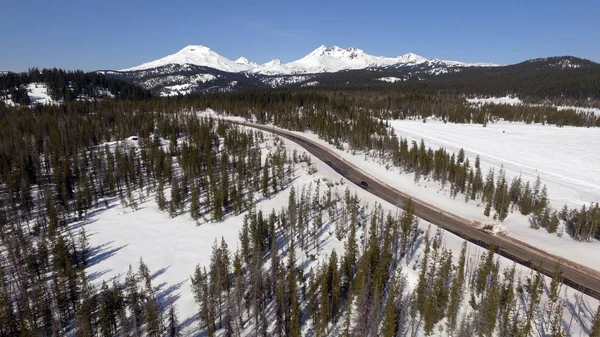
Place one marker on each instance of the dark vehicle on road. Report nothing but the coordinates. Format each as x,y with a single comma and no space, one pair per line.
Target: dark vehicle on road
364,184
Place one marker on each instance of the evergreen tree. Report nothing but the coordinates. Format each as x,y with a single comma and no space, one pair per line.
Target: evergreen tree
595,329
173,323
195,203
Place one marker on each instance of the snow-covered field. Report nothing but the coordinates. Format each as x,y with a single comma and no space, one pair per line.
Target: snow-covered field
514,101
172,247
566,159
517,224
507,100
38,94
391,79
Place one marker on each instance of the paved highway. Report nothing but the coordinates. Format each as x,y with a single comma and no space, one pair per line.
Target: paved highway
574,275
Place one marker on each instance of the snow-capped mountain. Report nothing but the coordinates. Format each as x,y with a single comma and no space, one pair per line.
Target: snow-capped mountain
320,60
197,68
198,56
327,60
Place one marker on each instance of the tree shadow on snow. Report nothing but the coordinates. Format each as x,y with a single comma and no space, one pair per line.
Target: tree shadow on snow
97,274
102,252
159,272
196,331
166,297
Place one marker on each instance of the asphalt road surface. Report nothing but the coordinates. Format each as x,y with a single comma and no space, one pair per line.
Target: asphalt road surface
574,275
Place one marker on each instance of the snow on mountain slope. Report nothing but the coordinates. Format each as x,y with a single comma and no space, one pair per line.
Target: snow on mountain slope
321,60
273,67
244,61
328,60
38,94
200,56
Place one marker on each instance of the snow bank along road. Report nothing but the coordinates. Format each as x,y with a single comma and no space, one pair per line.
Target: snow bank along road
574,275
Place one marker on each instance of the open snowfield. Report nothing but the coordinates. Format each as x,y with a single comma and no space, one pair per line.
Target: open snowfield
572,177
506,100
566,159
172,247
513,100
517,224
38,94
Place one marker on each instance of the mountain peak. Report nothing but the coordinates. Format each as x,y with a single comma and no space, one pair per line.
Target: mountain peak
197,55
412,58
242,60
194,49
321,60
276,62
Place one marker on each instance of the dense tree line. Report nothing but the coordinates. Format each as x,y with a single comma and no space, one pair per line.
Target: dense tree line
65,86
58,164
262,289
534,80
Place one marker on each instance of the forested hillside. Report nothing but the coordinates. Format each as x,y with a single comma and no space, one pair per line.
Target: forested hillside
58,164
63,164
66,86
535,80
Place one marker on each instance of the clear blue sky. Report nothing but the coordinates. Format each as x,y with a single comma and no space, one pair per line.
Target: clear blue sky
111,34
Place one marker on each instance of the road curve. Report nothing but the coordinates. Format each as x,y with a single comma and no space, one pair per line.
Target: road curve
574,275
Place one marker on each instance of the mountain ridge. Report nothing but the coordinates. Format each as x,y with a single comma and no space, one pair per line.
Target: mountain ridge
321,60
197,68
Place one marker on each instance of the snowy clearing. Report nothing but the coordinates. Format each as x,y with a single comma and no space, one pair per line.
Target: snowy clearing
565,158
514,101
38,94
172,247
506,100
517,224
391,79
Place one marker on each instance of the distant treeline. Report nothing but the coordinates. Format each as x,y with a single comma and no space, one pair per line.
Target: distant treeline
69,85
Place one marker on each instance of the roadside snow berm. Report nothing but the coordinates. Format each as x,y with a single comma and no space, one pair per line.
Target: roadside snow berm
491,227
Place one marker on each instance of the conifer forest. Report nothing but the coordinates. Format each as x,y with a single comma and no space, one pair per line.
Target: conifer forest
330,260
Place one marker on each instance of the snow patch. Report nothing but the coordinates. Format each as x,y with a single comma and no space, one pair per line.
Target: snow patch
506,100
38,94
391,79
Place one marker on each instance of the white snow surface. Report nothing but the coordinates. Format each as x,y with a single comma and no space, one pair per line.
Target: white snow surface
38,94
565,158
172,247
506,100
595,111
321,60
200,56
391,79
514,101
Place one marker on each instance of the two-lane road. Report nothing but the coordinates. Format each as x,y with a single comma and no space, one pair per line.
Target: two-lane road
574,275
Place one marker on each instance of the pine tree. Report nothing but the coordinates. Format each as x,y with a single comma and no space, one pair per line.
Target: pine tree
84,315
488,208
265,179
195,203
324,304
335,292
173,323
160,196
390,318
595,329
421,291
295,311
84,247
